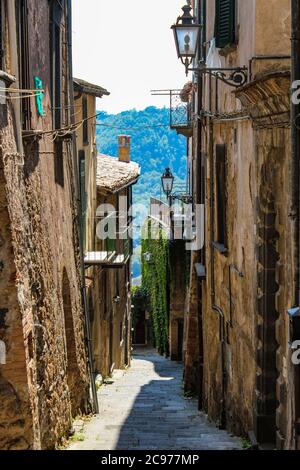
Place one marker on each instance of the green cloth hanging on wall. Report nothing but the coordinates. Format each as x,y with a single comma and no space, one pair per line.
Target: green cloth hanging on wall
39,97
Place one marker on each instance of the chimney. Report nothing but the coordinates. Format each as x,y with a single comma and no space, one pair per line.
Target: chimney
124,148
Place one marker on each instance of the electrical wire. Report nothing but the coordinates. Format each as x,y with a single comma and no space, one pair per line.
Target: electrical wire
67,107
113,126
21,90
71,128
23,97
74,127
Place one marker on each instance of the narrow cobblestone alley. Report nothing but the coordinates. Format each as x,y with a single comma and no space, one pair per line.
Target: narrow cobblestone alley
144,408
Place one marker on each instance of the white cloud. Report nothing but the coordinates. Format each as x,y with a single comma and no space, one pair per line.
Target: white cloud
128,48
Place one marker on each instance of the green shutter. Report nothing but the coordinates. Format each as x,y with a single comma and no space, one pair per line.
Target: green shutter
83,196
225,23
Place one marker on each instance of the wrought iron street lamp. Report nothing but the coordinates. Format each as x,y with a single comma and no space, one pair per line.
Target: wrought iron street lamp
187,38
186,34
167,180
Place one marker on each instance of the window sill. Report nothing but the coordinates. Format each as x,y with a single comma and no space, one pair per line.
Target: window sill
225,51
222,249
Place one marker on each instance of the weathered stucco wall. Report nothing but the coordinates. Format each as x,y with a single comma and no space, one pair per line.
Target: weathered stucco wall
248,382
272,27
232,287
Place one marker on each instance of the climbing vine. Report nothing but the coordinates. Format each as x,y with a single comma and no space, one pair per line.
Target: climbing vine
155,280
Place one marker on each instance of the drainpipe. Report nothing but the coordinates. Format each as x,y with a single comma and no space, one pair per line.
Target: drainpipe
222,339
201,20
11,17
77,196
215,308
295,168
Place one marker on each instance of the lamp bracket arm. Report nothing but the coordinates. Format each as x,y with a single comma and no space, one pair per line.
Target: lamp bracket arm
232,76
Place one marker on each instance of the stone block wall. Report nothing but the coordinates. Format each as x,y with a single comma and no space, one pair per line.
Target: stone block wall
45,379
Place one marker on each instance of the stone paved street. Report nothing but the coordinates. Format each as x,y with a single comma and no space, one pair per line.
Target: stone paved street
144,408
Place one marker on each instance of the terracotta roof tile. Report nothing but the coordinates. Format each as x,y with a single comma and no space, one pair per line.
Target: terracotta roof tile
113,175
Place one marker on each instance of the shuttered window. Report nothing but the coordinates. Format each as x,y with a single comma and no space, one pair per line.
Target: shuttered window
24,60
225,23
221,193
56,62
83,195
2,29
85,127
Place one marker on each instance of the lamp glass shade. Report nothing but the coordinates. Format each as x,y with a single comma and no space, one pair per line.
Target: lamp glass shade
186,40
167,182
148,257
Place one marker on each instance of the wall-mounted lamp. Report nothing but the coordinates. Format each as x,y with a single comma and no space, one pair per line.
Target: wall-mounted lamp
187,37
186,33
167,181
148,257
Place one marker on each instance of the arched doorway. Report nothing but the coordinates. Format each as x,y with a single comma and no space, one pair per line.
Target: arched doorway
70,343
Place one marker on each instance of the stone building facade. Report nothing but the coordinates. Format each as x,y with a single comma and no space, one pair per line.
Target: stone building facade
85,95
44,379
238,333
109,261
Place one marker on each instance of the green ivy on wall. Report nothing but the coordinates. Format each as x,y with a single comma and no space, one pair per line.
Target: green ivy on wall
155,280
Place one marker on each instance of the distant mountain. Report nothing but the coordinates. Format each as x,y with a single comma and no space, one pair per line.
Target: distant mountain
154,146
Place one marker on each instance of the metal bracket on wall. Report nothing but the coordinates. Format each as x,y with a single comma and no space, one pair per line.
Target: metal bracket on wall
232,76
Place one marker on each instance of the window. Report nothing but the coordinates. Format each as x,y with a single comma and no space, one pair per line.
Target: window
2,32
121,332
202,178
117,283
85,127
221,194
104,295
25,83
59,163
225,23
83,196
56,67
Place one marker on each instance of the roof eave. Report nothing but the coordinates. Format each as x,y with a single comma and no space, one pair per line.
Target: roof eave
107,192
90,89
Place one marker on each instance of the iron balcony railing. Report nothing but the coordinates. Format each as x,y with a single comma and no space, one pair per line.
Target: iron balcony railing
181,118
180,112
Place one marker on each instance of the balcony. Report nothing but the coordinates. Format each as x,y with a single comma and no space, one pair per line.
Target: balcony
112,251
180,110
